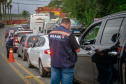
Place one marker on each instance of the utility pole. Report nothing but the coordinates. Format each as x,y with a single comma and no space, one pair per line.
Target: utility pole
18,10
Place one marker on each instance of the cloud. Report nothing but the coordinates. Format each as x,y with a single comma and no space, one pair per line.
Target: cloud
29,5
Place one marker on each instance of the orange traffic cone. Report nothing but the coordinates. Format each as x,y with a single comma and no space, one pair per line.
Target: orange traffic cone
11,57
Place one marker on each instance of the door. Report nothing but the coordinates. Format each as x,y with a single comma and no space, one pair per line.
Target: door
107,69
21,45
84,66
39,49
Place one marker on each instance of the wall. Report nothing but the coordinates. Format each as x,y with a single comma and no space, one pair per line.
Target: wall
9,22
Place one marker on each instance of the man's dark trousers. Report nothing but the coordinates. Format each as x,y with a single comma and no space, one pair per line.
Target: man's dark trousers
8,50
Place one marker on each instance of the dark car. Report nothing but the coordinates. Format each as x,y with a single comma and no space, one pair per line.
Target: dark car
26,42
76,27
102,59
1,25
11,30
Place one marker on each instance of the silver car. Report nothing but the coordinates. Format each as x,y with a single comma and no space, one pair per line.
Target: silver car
26,41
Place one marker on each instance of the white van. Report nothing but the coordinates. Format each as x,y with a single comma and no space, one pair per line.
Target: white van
37,21
49,26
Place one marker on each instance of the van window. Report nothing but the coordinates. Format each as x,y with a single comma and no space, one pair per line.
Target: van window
112,27
90,37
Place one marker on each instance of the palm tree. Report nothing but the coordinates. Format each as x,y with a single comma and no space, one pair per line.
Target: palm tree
25,14
10,11
8,7
1,1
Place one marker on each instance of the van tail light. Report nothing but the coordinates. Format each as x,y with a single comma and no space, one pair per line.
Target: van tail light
26,45
47,51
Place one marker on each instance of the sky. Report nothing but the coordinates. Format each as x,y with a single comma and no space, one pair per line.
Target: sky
29,5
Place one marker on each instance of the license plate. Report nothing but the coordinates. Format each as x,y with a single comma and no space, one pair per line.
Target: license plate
76,31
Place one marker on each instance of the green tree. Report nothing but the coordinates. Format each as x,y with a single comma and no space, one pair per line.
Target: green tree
3,6
83,10
25,14
55,3
86,10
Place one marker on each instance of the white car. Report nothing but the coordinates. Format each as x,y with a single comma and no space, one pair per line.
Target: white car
39,55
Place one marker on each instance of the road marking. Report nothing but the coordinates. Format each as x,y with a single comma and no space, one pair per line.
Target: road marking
27,82
1,39
38,80
3,42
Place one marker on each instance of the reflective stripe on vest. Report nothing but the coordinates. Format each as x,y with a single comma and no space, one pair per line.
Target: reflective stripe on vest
60,32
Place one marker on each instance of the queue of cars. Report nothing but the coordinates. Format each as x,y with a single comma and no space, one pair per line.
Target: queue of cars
97,36
25,43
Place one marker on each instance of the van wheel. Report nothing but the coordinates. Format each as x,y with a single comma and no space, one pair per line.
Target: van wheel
42,71
29,63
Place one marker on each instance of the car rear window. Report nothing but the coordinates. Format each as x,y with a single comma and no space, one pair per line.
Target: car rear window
21,34
32,39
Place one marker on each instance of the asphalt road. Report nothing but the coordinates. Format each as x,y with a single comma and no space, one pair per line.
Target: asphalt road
17,72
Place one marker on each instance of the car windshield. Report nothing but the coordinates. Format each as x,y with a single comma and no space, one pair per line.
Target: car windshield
74,22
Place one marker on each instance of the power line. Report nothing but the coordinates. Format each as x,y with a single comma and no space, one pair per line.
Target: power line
27,4
38,1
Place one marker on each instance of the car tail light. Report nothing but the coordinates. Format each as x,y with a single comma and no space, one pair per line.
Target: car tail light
5,33
14,44
47,51
26,45
16,40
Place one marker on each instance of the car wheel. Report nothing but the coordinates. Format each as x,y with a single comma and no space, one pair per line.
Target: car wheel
14,50
42,71
29,63
24,57
18,54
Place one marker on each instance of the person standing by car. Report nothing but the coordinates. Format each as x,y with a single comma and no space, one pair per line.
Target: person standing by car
63,47
105,61
9,44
